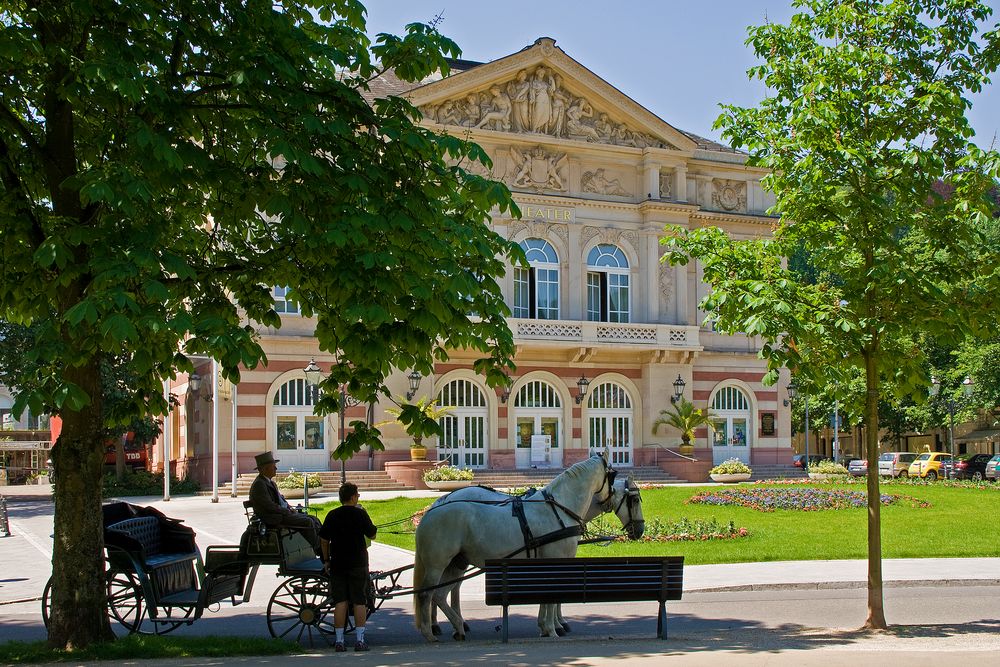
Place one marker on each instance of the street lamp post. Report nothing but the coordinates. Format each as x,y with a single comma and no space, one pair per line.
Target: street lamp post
951,404
314,375
793,394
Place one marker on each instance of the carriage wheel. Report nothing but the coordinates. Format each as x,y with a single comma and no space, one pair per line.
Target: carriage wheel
300,608
47,602
125,601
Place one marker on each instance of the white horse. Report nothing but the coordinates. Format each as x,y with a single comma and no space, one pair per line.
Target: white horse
623,500
458,534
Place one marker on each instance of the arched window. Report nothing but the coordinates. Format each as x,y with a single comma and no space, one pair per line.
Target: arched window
464,440
536,289
609,412
731,434
461,394
537,394
610,396
730,399
295,393
607,284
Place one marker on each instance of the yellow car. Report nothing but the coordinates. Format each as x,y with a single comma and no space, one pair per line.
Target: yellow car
928,465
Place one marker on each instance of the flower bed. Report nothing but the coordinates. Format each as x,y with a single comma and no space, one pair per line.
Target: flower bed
658,530
807,500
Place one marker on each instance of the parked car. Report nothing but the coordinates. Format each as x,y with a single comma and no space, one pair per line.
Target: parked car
928,465
799,460
858,467
993,468
895,464
971,466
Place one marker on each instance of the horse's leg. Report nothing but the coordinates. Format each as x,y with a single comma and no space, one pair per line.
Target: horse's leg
561,622
547,626
423,578
452,612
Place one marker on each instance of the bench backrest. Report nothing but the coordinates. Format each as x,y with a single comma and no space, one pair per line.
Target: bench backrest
144,529
555,580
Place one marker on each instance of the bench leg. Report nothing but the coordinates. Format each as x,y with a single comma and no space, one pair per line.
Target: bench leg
503,634
661,621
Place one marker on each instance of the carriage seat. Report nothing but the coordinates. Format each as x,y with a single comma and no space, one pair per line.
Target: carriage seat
156,549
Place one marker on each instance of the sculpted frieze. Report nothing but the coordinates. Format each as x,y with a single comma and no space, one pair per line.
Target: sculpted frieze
598,182
535,100
539,169
666,184
729,195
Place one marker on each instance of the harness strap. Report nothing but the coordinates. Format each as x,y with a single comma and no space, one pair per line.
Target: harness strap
517,510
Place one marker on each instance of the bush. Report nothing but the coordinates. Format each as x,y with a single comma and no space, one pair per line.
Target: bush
828,467
144,483
447,473
731,467
296,480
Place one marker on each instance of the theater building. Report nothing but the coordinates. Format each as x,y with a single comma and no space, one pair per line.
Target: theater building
596,177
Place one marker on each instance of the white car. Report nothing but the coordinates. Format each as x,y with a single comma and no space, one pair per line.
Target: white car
895,464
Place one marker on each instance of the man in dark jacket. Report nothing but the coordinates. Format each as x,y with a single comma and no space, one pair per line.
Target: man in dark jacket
271,507
345,536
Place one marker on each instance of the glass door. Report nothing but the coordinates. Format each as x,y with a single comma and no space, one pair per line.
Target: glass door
300,442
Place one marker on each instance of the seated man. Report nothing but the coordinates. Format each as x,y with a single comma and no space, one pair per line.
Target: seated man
271,507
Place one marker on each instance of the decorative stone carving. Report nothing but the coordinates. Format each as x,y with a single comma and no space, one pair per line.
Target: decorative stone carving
729,195
630,237
599,183
535,100
539,230
666,285
666,184
539,169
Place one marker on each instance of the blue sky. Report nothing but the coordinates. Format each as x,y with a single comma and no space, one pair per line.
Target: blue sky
678,59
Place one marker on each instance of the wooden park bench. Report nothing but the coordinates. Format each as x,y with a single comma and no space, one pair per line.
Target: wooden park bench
512,581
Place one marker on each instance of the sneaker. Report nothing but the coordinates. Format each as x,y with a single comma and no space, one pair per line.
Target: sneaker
361,646
339,647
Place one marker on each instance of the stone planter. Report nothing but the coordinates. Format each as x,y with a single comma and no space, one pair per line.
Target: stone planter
299,493
448,484
826,477
728,478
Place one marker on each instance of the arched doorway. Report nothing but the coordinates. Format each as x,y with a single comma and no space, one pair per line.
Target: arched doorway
609,415
300,436
463,442
538,417
731,418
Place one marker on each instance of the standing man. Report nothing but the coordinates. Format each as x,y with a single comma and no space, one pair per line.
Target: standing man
272,508
345,537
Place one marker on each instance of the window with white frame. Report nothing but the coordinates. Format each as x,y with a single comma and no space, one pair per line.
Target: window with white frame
282,303
607,284
536,289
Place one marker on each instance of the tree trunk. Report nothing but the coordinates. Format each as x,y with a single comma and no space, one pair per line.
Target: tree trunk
876,608
119,458
79,597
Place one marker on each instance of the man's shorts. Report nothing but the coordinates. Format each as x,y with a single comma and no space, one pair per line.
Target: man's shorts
350,585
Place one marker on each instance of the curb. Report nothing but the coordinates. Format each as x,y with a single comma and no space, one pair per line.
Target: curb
840,585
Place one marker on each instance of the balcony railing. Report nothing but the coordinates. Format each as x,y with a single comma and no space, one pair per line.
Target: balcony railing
596,333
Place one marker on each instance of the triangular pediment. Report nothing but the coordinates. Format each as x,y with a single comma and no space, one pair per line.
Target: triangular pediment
541,91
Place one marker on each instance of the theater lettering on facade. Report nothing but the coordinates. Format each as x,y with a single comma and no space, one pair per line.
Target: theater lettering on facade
596,177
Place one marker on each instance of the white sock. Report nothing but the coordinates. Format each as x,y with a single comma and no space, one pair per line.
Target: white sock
340,635
361,633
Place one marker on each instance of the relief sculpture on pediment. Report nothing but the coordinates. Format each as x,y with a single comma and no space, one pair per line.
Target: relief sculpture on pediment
729,195
539,169
598,182
536,101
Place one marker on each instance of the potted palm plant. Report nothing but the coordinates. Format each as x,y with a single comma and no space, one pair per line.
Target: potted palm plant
684,417
419,419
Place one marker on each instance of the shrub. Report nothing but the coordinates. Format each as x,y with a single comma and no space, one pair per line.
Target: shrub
659,530
828,467
447,473
296,480
731,467
144,483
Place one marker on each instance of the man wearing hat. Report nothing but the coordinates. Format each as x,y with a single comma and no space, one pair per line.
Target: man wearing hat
272,508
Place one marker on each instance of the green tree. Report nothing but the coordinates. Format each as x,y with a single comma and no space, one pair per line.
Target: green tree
864,115
164,164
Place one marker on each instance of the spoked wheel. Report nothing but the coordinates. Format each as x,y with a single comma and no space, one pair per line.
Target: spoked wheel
300,608
47,602
125,601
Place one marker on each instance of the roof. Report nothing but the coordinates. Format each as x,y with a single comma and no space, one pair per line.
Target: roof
980,434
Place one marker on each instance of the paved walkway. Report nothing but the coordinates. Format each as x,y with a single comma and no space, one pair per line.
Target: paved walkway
758,606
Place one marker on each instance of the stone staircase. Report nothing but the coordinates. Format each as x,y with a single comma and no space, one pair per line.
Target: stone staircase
777,471
375,480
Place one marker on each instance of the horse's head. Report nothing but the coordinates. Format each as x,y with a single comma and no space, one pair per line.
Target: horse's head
626,502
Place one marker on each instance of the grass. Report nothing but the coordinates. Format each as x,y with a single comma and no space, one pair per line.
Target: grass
907,532
147,647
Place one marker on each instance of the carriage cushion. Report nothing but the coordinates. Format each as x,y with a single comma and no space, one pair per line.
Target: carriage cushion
146,535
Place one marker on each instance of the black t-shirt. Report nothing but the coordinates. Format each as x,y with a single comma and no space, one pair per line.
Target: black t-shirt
346,529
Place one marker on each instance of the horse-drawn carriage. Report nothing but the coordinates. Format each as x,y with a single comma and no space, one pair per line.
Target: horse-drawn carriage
157,580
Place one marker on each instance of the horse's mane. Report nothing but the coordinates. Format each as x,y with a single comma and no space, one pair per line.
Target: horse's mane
575,471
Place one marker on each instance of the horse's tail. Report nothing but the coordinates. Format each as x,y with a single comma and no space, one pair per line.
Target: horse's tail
418,583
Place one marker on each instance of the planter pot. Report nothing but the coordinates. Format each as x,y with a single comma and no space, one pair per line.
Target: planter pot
418,453
825,476
448,484
299,493
730,477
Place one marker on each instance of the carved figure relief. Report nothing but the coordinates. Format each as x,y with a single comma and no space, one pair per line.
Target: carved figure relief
541,230
599,183
536,101
729,195
539,169
666,184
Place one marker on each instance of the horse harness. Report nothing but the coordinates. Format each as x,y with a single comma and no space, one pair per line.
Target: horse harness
532,543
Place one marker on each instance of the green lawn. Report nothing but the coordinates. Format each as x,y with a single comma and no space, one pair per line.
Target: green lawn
956,525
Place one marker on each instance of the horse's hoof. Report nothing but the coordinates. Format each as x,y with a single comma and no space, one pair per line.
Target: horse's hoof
457,637
559,631
566,628
436,629
465,626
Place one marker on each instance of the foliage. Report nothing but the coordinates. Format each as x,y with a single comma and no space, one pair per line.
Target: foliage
297,480
731,467
765,499
828,467
144,483
146,647
163,166
684,417
447,473
658,530
418,418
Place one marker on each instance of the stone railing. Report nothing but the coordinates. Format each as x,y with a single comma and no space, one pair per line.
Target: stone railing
596,333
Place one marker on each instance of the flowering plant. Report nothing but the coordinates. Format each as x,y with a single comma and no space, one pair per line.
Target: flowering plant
731,467
447,473
766,499
828,467
296,480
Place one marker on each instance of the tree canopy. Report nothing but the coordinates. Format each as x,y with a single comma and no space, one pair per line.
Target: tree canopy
164,164
864,115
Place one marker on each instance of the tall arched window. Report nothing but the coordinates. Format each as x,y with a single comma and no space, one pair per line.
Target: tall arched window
731,434
607,284
609,411
536,289
538,419
299,436
464,434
